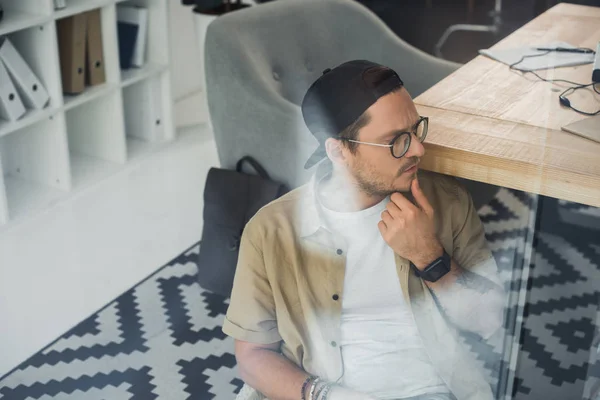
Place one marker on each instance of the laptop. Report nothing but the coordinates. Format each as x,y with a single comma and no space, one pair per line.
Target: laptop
588,128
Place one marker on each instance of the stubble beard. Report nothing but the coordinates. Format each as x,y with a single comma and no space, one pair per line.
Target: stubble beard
369,183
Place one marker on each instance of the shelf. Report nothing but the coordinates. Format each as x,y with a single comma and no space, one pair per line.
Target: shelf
31,117
86,170
89,94
102,140
16,20
24,196
134,75
79,6
78,140
143,110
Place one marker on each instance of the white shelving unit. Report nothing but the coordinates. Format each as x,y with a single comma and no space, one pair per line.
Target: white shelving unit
77,140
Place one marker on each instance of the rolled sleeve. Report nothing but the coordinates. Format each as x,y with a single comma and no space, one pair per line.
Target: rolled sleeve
471,250
251,313
230,328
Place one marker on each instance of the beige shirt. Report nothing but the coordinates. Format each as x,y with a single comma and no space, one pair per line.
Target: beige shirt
290,274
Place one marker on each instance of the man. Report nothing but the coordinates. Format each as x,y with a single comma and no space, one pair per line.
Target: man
353,286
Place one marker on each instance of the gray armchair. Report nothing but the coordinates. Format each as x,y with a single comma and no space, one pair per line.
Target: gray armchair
260,62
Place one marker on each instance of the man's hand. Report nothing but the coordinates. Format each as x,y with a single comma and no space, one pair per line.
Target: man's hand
410,230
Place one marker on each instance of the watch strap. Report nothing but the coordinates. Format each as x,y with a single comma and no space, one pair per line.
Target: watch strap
436,270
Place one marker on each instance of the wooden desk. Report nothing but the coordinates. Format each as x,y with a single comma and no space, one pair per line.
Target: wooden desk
494,125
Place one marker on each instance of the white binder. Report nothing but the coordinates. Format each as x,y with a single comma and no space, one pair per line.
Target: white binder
143,118
11,106
137,16
32,92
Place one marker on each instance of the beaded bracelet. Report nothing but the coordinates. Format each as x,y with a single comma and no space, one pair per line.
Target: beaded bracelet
313,388
325,392
320,390
307,381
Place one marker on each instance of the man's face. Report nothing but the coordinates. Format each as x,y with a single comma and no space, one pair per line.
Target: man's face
374,169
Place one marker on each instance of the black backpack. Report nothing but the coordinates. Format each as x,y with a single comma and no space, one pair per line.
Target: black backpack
231,198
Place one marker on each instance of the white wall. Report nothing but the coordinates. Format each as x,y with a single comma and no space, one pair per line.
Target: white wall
188,91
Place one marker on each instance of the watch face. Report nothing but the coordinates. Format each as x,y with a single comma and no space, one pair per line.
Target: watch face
439,271
436,270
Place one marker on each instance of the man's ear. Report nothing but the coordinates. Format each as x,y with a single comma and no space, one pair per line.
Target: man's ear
336,151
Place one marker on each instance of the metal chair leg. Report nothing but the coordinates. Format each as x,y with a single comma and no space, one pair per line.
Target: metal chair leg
494,28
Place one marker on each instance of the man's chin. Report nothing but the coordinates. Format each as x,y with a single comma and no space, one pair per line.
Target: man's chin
404,182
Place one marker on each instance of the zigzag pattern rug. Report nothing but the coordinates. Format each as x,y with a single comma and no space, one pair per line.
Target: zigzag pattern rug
560,342
162,338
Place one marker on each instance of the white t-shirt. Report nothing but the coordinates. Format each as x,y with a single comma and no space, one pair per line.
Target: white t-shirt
383,354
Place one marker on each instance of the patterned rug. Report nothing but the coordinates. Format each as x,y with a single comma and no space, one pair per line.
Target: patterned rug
562,317
162,339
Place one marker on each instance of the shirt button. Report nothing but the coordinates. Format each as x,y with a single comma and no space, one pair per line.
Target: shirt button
339,251
333,344
335,297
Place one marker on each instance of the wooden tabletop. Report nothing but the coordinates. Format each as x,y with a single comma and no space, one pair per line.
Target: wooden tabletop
494,125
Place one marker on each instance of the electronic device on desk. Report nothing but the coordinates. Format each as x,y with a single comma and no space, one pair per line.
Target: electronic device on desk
564,101
596,68
588,128
563,55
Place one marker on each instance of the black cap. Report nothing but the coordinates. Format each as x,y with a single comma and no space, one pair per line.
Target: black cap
340,96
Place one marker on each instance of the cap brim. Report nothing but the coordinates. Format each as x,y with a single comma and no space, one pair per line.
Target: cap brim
319,154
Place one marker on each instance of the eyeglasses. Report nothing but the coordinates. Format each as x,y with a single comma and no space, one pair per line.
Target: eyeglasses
401,142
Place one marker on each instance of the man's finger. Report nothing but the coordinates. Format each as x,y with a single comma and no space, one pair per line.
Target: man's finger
393,209
387,218
382,227
402,202
420,197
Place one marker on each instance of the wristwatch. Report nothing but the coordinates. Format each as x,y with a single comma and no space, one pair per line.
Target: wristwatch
434,271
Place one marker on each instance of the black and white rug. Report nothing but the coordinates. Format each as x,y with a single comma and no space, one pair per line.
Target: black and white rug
559,355
162,339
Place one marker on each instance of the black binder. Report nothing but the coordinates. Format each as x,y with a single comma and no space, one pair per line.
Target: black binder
127,38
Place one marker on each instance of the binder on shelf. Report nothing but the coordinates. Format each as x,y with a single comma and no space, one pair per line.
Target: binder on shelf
136,16
11,106
32,92
127,36
139,118
95,73
71,46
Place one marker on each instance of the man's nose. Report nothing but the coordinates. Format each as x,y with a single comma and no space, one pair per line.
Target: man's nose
416,148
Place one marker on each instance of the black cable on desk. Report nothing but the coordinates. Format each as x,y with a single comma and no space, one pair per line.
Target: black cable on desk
564,101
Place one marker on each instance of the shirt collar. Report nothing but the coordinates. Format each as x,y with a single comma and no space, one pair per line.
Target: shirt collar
309,212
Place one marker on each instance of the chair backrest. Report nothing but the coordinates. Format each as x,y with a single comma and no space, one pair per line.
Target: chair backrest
260,62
